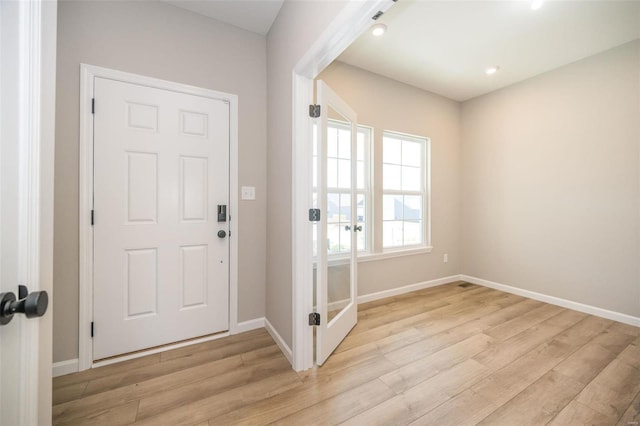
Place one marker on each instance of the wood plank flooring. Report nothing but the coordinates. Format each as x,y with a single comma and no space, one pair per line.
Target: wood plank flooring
447,355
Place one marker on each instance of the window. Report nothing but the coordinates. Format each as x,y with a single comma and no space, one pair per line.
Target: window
402,199
339,187
404,184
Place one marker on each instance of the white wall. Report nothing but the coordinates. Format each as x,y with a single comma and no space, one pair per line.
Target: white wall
297,26
386,104
550,183
162,41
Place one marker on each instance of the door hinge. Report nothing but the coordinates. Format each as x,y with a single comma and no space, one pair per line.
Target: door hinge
92,217
314,318
91,328
93,105
314,215
314,111
377,15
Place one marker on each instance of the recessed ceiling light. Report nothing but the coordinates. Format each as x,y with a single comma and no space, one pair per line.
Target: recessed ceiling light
491,70
536,4
378,29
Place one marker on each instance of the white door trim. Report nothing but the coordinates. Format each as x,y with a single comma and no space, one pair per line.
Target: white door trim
87,75
349,24
33,33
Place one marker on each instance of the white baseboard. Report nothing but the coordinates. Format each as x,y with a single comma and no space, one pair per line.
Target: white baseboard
65,367
569,304
250,325
339,304
286,350
407,289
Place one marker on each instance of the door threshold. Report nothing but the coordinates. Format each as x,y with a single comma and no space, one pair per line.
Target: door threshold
157,349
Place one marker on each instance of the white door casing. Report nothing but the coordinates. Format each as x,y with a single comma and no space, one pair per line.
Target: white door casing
161,169
333,328
27,112
192,252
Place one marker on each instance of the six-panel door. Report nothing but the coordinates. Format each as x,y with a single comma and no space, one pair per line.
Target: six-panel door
161,169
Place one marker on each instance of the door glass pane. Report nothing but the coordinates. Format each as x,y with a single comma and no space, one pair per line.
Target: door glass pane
340,214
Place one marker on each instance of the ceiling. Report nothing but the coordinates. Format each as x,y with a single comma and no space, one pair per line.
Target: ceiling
445,46
252,15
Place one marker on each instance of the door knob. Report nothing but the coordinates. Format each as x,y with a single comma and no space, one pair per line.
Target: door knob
222,234
33,305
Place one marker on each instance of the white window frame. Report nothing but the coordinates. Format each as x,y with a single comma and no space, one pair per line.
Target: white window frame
425,192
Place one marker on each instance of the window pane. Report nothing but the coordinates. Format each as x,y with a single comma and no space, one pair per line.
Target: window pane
392,234
412,207
361,218
344,174
391,150
411,177
332,142
344,144
332,173
391,176
333,208
345,238
411,153
314,236
345,208
412,232
361,176
360,147
392,207
333,238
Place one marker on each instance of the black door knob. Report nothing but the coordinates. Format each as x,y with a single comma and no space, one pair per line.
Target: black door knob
34,305
222,234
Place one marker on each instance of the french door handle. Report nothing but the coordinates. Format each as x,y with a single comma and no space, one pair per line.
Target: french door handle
347,228
32,305
357,228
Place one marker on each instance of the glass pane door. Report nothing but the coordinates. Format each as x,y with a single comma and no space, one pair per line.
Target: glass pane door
338,229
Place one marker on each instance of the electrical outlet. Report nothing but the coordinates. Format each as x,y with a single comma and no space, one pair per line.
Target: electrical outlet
445,258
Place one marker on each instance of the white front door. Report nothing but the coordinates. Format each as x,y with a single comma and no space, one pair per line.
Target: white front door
161,193
336,287
27,102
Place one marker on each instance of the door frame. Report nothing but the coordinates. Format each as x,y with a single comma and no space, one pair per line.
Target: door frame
353,20
85,314
34,131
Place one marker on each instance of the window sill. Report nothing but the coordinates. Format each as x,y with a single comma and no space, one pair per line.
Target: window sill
371,257
390,254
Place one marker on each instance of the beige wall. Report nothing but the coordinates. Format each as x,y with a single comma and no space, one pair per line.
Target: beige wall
157,40
550,178
297,26
386,104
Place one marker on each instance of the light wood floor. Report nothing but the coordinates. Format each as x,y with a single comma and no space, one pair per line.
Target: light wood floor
448,355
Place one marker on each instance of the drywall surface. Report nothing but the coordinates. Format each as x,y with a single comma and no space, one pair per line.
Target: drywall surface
550,183
157,40
297,26
385,104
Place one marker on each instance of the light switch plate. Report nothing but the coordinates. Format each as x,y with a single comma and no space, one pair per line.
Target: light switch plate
248,192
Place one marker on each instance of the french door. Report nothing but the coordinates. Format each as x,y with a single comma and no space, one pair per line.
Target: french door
336,233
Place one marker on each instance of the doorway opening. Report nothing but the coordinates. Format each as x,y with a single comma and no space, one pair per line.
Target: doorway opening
354,19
